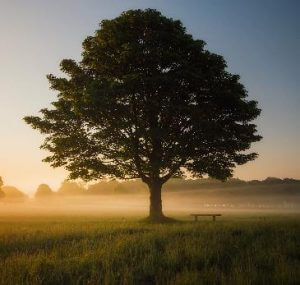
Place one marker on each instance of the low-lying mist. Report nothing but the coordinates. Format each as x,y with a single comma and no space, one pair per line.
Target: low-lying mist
132,197
137,204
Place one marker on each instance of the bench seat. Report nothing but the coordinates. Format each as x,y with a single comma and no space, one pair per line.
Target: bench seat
206,215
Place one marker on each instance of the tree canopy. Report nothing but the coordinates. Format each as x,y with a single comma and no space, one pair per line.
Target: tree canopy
147,101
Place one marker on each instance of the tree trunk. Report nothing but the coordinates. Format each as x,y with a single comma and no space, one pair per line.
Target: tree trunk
156,213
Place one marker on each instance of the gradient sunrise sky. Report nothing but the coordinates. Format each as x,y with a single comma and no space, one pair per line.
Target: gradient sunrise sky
260,39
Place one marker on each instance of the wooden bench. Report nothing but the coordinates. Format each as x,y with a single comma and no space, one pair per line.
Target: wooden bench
206,215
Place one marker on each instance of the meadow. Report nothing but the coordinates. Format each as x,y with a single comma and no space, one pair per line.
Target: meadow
93,249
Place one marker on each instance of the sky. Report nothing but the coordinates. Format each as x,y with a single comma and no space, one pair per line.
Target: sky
259,39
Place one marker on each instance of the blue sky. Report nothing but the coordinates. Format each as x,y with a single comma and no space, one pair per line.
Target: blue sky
259,39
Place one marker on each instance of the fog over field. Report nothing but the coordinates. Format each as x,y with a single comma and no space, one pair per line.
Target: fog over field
179,197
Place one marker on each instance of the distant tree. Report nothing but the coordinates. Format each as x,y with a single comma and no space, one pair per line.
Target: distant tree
272,180
136,186
291,180
43,191
13,194
124,188
2,195
121,189
147,101
254,182
113,187
70,188
102,188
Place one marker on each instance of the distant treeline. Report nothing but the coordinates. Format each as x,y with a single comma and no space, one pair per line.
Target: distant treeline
234,186
12,194
180,184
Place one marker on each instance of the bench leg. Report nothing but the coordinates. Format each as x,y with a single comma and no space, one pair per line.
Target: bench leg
214,218
196,218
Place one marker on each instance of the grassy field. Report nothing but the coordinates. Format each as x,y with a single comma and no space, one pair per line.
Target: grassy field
236,249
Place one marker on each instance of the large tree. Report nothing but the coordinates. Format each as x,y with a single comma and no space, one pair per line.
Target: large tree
147,101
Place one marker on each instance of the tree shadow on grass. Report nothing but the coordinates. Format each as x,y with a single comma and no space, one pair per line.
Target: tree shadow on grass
161,220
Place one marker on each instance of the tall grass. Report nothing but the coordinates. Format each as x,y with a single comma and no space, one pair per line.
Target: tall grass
91,250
